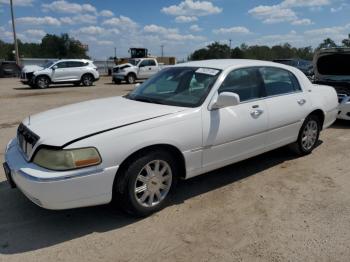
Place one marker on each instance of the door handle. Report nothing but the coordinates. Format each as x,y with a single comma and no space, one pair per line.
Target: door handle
301,101
256,113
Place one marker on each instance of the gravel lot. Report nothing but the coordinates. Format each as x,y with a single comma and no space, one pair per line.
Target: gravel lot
274,207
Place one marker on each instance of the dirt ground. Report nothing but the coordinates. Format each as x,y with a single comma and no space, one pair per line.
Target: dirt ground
274,207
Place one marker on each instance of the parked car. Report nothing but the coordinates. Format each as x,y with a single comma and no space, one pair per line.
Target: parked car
332,67
9,69
185,121
75,71
303,65
136,69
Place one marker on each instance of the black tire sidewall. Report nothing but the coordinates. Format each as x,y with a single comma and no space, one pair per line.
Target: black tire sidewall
133,77
37,80
300,145
90,77
130,203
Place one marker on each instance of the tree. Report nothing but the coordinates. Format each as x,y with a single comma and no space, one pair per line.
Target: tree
327,43
51,46
212,51
346,42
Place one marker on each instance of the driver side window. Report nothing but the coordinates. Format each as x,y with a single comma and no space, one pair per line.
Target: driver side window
245,82
62,65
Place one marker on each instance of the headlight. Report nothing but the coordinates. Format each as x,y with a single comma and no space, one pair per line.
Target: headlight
67,159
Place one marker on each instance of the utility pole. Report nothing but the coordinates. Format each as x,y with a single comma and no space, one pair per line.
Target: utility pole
229,52
115,52
14,33
162,47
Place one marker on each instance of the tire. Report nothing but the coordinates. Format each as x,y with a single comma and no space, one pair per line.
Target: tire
87,80
140,190
42,82
308,136
130,78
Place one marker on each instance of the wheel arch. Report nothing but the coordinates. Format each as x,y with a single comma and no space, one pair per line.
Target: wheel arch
320,114
42,75
132,73
87,73
119,179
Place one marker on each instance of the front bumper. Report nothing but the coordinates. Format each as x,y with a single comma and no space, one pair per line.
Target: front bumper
118,76
344,107
60,190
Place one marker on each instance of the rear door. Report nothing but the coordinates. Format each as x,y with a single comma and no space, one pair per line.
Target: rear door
75,69
287,103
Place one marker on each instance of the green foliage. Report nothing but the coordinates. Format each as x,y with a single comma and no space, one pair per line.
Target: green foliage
51,46
327,43
217,50
346,42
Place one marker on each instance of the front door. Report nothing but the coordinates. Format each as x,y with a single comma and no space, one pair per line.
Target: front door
61,73
235,133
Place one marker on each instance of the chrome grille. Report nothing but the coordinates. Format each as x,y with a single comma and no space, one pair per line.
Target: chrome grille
26,139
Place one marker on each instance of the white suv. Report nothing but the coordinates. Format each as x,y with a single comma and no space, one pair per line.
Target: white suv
74,71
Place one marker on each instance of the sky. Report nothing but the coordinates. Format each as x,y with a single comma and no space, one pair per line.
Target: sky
181,26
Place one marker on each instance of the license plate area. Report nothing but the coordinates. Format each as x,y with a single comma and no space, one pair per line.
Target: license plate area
8,175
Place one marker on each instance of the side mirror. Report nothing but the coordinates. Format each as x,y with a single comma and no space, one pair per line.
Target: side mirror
54,67
225,99
141,65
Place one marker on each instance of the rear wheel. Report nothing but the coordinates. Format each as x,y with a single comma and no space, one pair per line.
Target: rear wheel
130,78
308,135
87,80
42,82
145,185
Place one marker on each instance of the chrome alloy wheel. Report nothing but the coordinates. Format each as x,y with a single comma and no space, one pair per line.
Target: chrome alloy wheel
153,183
42,82
309,135
87,80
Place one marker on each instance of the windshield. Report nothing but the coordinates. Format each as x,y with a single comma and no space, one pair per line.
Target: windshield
134,61
177,86
47,64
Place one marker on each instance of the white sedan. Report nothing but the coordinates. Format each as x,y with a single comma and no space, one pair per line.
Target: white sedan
185,121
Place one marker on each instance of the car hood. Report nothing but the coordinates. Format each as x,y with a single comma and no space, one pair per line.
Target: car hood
60,126
31,68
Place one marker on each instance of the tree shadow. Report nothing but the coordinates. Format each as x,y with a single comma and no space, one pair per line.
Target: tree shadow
26,227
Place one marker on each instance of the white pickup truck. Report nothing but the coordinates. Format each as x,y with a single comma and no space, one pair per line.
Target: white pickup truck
136,68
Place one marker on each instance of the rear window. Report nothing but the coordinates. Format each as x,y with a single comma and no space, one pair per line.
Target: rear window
77,64
278,81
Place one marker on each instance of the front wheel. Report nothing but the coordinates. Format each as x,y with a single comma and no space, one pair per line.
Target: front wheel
131,78
308,135
42,82
146,183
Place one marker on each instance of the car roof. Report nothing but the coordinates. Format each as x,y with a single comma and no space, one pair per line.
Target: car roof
74,60
223,64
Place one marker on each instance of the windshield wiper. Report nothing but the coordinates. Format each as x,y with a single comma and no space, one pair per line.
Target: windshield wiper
147,100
